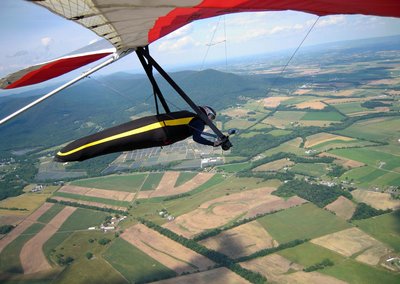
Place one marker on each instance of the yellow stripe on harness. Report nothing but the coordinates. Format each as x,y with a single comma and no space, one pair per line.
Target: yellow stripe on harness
173,122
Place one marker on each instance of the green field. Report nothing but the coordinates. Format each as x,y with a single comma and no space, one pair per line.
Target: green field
291,146
324,116
135,265
328,145
81,219
184,177
279,132
83,270
234,168
9,257
369,177
385,228
128,183
376,129
93,199
51,213
355,272
152,181
308,254
289,115
347,108
308,169
370,156
302,222
345,269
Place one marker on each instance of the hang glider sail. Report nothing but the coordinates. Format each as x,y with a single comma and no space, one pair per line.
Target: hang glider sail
48,70
132,25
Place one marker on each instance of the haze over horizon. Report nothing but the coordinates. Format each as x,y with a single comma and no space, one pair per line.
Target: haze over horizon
32,34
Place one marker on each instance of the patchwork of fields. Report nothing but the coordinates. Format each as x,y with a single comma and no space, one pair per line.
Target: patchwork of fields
333,140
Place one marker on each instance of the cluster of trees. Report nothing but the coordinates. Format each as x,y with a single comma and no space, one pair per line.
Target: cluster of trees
364,211
172,197
268,251
282,176
374,104
13,182
63,260
215,256
76,204
336,171
5,229
321,265
104,241
320,195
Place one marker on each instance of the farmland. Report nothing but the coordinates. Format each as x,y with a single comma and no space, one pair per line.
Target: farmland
323,143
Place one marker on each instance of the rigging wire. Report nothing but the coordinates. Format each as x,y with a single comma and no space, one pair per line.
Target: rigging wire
280,75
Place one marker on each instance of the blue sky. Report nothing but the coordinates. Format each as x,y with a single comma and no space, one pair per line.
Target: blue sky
32,34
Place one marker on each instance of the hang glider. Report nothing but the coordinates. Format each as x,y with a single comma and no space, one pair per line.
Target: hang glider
127,25
54,68
132,25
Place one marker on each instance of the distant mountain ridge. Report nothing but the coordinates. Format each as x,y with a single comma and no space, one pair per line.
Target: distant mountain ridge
97,104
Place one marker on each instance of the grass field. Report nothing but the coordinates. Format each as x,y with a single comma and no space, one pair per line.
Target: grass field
30,201
128,183
369,177
353,271
370,157
308,169
81,219
9,257
279,132
348,108
324,116
308,254
234,168
376,129
93,199
385,228
83,270
50,214
345,269
135,265
184,177
291,146
152,181
328,145
305,221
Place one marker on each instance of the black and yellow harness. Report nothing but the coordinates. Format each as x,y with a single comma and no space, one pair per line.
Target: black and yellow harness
151,131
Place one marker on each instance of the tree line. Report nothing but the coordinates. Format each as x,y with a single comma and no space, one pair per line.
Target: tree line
86,206
220,258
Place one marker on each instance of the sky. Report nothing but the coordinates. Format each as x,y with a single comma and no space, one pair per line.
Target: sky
31,34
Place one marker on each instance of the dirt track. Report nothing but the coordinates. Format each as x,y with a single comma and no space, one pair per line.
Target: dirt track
25,224
32,257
